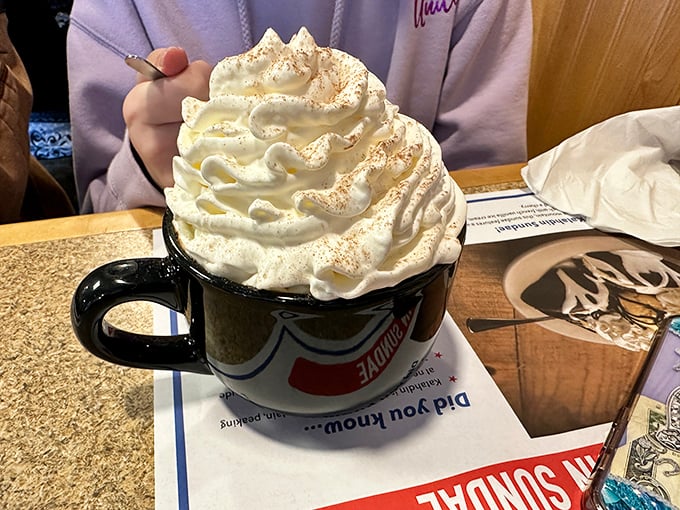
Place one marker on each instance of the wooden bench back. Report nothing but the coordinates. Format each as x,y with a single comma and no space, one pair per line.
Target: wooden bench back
593,59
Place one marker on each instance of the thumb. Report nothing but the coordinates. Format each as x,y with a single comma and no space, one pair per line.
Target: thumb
171,61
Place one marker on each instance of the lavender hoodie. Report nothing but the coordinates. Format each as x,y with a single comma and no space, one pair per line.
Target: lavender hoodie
460,67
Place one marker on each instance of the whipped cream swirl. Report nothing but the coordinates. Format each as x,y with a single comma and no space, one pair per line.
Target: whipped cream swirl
299,175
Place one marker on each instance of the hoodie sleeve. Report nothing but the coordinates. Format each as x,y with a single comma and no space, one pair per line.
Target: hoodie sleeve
106,173
482,114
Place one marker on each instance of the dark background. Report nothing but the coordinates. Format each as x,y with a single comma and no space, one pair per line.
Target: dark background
41,43
37,28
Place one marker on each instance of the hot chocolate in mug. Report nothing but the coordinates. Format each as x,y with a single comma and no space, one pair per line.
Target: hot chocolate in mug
284,351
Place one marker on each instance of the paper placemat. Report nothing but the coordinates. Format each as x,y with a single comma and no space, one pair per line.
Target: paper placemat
445,439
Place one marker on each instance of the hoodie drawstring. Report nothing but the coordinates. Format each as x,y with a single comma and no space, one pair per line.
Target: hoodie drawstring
336,25
244,20
247,36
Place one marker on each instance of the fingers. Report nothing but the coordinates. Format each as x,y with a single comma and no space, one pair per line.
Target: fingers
152,110
160,101
156,146
170,60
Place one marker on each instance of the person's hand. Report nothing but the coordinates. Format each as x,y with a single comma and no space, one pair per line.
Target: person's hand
153,109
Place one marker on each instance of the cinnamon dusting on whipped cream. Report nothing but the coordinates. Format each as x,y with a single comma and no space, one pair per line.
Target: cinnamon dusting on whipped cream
298,174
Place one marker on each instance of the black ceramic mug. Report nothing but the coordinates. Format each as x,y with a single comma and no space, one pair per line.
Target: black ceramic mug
284,351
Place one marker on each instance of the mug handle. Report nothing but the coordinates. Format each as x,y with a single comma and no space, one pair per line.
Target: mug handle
158,280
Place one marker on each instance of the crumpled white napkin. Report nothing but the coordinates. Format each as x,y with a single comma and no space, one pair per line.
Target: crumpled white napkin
622,175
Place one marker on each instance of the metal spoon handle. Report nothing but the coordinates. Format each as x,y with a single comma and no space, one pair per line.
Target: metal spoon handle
477,325
143,66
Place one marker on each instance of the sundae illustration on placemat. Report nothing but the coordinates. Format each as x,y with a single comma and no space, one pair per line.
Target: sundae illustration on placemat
605,290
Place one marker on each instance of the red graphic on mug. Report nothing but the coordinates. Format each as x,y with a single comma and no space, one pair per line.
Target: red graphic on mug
325,379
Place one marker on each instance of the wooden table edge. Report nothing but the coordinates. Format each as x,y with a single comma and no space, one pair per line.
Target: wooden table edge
488,176
79,226
134,219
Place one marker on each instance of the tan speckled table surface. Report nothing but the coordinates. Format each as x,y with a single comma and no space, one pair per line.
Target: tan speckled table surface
75,431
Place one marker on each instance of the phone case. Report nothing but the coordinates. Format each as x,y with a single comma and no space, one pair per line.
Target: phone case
639,465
